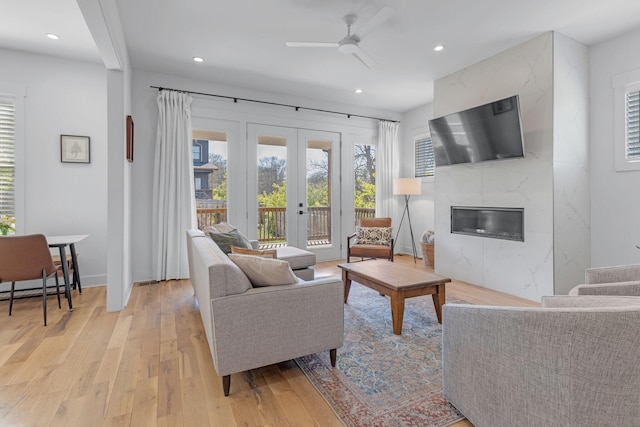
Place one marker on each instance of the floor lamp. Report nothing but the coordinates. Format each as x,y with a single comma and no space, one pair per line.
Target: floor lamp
406,187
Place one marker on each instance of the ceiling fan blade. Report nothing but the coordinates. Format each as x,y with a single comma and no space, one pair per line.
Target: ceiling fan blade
364,58
381,16
311,44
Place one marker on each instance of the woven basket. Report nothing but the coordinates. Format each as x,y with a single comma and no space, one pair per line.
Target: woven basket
427,255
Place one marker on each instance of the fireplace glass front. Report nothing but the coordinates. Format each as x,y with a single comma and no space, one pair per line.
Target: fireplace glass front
495,223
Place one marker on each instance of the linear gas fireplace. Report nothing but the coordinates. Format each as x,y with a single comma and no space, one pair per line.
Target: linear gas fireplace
496,223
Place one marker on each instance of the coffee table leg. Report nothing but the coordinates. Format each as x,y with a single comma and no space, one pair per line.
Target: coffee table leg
397,312
347,284
438,301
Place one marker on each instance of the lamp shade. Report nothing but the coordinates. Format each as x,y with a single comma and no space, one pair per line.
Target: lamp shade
406,186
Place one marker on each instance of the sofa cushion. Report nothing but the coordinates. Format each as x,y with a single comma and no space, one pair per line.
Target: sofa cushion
296,257
226,240
373,235
264,271
265,253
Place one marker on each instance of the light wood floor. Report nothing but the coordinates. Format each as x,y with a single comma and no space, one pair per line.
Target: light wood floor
149,365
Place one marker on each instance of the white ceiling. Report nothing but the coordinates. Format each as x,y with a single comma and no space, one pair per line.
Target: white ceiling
243,41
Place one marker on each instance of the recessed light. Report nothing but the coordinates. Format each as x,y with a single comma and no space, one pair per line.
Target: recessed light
358,90
439,48
53,36
198,59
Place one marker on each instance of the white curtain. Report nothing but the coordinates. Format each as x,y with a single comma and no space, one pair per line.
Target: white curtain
386,166
174,209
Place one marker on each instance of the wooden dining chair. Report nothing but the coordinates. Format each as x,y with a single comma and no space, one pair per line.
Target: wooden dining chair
27,258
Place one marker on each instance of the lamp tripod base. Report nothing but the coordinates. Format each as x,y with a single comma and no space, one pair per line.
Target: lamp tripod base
408,214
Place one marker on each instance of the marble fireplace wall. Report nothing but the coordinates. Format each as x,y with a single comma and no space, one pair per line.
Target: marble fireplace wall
571,171
525,269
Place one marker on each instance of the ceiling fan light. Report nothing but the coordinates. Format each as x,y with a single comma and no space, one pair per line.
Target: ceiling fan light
349,46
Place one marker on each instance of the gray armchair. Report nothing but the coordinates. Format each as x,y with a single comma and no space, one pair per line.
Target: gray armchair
572,362
621,280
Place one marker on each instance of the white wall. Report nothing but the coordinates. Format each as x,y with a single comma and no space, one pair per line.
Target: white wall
414,123
615,206
236,116
64,97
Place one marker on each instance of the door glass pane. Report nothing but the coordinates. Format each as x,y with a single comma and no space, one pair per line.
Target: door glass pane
210,176
318,192
365,181
272,190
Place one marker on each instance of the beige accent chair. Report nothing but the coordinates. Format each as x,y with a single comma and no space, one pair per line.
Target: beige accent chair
355,249
571,363
249,327
617,280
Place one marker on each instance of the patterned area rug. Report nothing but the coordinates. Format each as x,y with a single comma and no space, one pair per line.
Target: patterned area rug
382,379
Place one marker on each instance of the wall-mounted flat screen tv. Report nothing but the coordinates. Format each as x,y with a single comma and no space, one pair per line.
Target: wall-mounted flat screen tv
487,132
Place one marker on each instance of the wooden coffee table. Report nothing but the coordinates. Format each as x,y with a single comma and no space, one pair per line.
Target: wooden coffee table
396,281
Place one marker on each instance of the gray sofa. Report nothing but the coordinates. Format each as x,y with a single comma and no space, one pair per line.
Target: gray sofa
248,327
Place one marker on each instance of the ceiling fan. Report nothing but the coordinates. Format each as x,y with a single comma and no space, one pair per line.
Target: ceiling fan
350,44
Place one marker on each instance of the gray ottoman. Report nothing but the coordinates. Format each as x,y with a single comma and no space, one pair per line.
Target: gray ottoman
300,261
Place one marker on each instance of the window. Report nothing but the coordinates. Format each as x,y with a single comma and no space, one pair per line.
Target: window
632,125
425,162
627,121
7,157
364,167
197,149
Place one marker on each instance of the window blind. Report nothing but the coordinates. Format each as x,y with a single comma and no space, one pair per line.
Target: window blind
632,112
425,162
7,158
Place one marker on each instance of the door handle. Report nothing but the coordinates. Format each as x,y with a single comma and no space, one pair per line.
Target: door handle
301,212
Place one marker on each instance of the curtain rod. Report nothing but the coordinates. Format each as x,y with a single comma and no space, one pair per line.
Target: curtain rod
297,108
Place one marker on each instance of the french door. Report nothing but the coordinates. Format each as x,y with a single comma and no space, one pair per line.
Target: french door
293,195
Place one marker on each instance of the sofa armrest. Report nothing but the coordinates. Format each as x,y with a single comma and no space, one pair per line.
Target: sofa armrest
584,301
271,324
619,288
619,273
506,366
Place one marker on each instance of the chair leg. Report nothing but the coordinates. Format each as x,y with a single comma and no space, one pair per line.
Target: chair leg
58,289
226,384
44,296
13,286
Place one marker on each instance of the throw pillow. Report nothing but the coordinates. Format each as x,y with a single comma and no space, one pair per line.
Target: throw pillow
222,227
264,271
226,240
265,253
374,235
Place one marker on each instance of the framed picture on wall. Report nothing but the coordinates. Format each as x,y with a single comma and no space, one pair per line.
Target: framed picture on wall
75,149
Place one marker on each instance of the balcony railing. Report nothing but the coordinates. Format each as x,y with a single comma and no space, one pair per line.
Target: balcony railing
272,224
